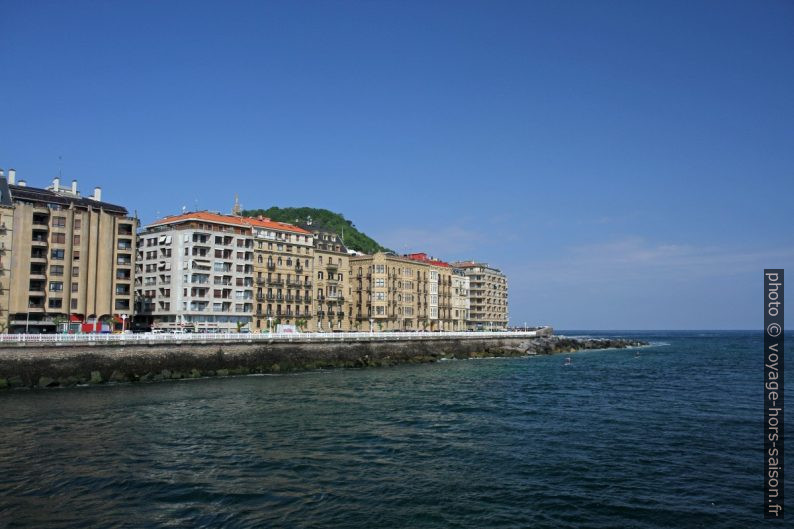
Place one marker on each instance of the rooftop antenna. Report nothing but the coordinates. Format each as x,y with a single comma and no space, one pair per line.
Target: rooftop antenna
184,209
60,163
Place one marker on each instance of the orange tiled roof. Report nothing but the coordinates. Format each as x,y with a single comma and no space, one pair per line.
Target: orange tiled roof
272,224
208,216
200,215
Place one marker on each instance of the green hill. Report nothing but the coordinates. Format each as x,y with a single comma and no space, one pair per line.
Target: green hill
325,220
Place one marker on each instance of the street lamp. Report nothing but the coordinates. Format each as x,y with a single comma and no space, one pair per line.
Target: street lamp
371,327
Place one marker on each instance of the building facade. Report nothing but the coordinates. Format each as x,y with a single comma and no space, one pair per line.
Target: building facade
332,274
488,295
282,273
438,299
69,258
195,272
393,293
461,302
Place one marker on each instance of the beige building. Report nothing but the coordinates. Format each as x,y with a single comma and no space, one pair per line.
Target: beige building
461,302
71,258
439,292
332,275
390,293
488,295
282,274
195,272
6,238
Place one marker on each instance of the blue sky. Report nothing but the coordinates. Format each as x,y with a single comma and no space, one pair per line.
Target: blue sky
630,165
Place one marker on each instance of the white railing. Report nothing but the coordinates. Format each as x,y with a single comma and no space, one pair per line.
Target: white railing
14,339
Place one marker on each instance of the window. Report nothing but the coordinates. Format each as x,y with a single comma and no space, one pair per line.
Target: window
59,238
55,303
56,270
59,222
57,255
380,282
75,255
73,304
76,240
77,223
319,275
56,286
380,269
75,287
75,271
380,296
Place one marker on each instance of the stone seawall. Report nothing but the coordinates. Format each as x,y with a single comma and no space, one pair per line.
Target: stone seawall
53,366
67,366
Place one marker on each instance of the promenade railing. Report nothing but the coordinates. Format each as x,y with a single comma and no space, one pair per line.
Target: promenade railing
14,339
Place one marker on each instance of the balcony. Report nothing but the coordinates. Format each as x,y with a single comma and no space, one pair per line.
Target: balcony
276,282
271,266
293,284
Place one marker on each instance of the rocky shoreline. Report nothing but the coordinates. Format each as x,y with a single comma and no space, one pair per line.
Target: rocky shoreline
548,345
62,367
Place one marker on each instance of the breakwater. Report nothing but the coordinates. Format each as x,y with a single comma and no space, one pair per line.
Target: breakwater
54,366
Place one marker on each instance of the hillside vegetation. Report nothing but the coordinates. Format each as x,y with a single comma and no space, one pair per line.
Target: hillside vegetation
324,220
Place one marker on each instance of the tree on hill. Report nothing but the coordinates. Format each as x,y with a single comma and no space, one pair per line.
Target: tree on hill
322,219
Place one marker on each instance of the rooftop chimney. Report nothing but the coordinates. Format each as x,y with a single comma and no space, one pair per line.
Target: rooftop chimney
97,194
22,183
74,187
56,184
12,176
2,174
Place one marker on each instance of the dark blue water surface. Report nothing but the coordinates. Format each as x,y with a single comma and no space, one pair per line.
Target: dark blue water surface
670,439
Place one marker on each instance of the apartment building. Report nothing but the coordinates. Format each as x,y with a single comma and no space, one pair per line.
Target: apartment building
67,259
389,292
195,272
332,273
439,295
282,272
488,295
461,302
6,238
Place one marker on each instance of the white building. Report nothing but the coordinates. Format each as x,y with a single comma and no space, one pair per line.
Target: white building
195,271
